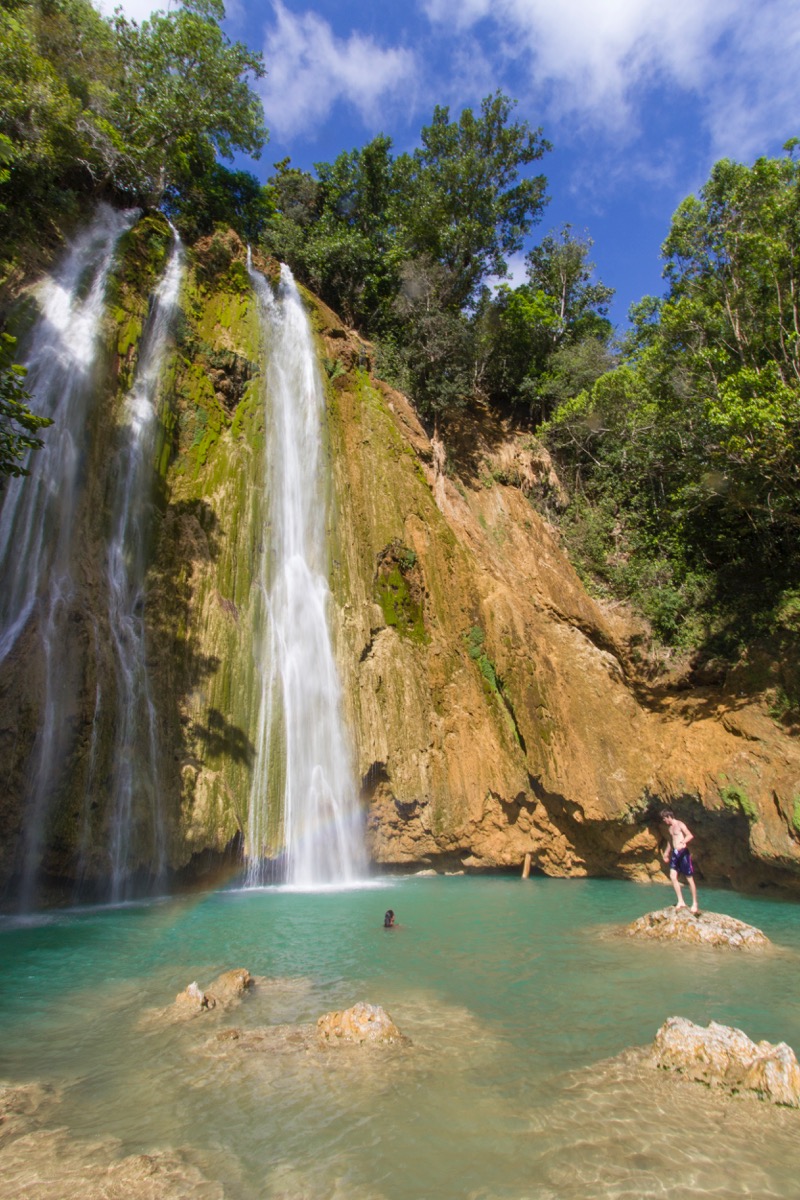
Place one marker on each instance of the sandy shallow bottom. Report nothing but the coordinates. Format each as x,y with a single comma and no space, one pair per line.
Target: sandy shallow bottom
517,1082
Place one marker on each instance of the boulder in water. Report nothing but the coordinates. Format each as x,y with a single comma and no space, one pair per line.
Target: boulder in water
228,988
706,929
363,1024
225,992
723,1056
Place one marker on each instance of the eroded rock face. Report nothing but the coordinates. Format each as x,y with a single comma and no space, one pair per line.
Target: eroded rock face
723,1056
363,1024
700,929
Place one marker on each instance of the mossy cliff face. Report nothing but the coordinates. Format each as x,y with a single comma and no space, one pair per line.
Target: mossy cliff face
203,589
205,544
497,709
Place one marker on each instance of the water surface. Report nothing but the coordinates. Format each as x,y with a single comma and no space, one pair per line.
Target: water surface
515,999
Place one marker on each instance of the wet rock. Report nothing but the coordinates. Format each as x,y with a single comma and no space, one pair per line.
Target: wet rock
22,1105
363,1024
48,1164
228,988
723,1056
707,929
268,1039
224,993
191,1002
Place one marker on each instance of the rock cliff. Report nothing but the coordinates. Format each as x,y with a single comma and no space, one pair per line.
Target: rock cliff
495,708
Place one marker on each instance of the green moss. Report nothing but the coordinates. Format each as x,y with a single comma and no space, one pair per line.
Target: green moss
735,797
395,594
475,648
796,815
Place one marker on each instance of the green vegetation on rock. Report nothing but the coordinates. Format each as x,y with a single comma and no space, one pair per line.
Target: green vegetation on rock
397,591
735,797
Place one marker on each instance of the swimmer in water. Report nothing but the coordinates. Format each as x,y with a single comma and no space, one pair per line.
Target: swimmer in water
388,920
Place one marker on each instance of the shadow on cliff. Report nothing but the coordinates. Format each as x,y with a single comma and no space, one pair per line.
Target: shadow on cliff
222,739
612,849
189,539
470,437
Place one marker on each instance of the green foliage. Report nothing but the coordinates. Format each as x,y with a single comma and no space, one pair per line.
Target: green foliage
18,425
181,97
95,106
688,453
402,247
199,201
397,592
547,339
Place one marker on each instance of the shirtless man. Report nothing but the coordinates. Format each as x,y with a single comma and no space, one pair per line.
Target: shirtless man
678,856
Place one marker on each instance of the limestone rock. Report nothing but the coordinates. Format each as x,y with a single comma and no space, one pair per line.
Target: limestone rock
224,993
362,1024
191,1001
707,929
229,987
726,1057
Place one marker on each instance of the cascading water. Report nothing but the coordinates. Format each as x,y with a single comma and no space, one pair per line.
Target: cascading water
134,788
302,752
36,516
36,522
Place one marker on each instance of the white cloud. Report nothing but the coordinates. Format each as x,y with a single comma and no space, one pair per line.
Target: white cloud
134,10
310,69
594,59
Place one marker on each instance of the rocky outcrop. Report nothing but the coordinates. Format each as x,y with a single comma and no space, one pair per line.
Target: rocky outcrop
725,1057
363,1024
698,929
224,993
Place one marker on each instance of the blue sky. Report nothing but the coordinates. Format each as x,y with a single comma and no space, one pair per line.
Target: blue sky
638,97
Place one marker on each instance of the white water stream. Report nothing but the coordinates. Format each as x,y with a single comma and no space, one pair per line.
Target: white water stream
62,348
302,751
38,514
135,791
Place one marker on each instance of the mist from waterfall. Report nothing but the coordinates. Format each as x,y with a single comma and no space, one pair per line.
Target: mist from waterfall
38,513
303,799
135,792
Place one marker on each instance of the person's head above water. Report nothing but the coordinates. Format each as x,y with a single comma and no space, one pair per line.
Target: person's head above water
388,920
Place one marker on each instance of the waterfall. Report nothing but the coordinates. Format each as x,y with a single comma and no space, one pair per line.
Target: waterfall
135,788
302,752
37,518
37,511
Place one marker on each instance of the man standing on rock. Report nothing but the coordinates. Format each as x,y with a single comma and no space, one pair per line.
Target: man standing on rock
678,856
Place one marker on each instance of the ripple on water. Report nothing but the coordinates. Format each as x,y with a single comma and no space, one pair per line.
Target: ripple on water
514,1086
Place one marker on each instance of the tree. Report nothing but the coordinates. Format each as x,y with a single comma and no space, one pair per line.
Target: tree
183,97
465,203
213,195
549,337
18,425
692,446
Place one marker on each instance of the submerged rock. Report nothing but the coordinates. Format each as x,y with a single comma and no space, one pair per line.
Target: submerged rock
362,1024
708,929
723,1056
23,1104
